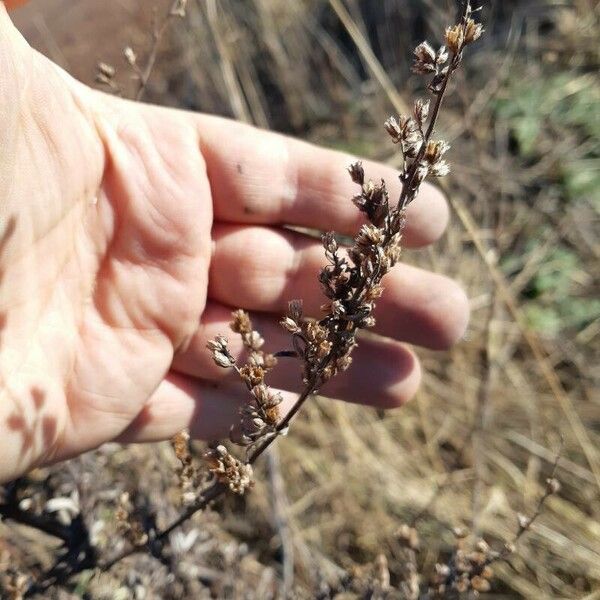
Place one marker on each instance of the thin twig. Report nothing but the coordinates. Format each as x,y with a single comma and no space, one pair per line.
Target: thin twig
176,10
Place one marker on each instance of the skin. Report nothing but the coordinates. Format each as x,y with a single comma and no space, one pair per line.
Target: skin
127,234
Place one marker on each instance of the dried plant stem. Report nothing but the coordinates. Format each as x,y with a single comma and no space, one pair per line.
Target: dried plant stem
343,330
214,491
369,57
177,9
525,523
351,282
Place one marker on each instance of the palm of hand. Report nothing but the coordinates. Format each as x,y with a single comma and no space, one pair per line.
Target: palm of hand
114,273
111,283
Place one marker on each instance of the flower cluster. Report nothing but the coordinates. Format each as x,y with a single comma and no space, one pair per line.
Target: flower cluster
188,473
129,522
422,155
259,417
219,349
228,469
469,570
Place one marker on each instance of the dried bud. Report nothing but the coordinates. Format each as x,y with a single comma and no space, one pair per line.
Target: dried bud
552,486
434,152
393,129
409,537
367,322
228,469
261,393
343,363
290,325
324,349
442,56
329,242
404,130
455,38
269,361
253,340
314,332
374,202
130,56
480,584
241,322
179,9
442,570
106,70
180,443
295,310
424,59
373,293
369,235
524,521
357,173
252,375
220,352
422,111
473,31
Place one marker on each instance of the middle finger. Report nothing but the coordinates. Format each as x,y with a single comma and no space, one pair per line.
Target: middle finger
261,268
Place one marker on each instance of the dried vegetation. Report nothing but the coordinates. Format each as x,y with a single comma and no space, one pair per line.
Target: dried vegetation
361,502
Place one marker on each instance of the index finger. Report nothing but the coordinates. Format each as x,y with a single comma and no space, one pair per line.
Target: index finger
261,177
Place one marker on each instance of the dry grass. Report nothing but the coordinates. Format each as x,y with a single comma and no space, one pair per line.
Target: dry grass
476,445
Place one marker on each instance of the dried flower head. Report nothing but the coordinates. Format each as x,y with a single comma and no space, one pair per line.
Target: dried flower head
228,469
425,59
357,173
179,8
106,70
219,349
128,522
241,322
130,56
455,38
422,111
473,31
188,474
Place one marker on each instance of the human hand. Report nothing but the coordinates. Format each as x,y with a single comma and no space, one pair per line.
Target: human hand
127,235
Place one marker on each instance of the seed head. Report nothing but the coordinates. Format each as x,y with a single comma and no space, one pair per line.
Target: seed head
473,31
422,111
425,59
220,352
552,486
455,38
357,173
241,322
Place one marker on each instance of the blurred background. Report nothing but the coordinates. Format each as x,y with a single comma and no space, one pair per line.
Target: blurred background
477,444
